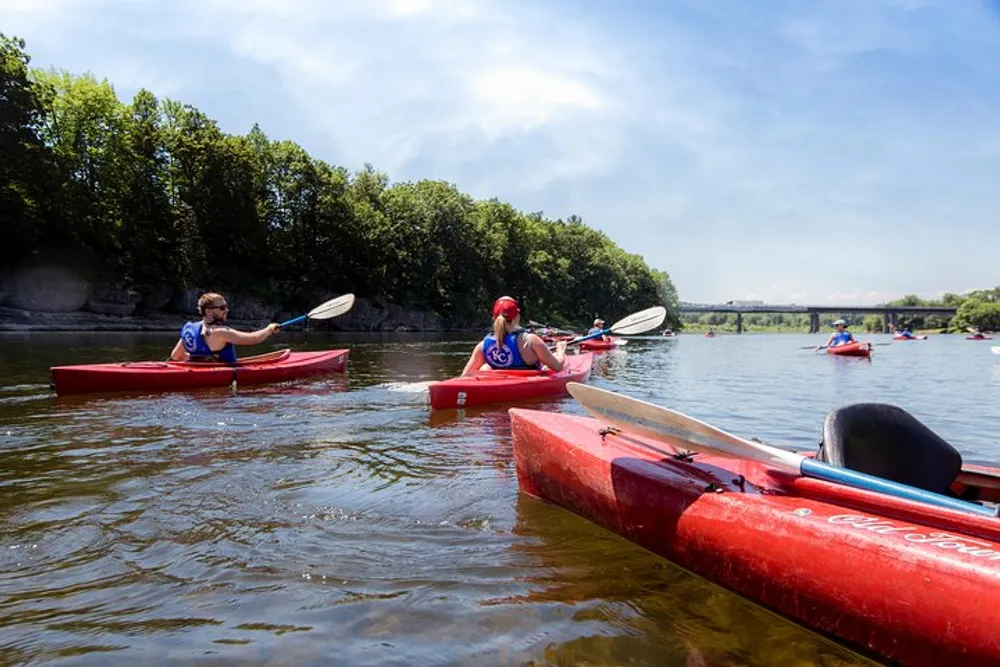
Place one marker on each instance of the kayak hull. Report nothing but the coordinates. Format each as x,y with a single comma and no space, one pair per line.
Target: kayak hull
851,350
490,387
597,345
909,337
184,375
892,577
979,338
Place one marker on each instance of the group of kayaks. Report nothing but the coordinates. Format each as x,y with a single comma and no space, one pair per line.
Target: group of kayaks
903,564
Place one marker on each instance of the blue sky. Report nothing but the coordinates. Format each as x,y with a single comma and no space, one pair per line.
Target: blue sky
809,151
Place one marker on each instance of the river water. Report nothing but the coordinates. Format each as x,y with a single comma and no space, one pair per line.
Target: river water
338,521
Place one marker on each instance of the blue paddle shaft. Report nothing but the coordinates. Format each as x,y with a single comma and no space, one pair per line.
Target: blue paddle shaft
820,470
294,320
596,334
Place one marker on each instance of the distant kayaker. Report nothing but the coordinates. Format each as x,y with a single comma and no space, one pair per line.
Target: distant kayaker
509,347
597,328
904,333
210,339
839,337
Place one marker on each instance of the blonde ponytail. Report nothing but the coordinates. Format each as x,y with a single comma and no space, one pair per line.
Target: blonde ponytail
499,328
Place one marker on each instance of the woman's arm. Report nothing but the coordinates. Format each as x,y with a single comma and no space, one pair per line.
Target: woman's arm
475,361
554,361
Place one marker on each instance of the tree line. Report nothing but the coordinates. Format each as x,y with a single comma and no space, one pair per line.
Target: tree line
152,192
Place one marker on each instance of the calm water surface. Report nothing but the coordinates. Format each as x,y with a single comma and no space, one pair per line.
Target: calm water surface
338,521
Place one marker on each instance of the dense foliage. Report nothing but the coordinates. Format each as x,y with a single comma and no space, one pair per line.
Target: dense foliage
153,192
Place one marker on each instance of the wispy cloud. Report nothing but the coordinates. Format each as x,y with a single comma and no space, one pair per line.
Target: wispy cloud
843,148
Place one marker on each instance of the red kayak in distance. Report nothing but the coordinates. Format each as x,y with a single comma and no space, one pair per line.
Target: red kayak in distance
909,337
910,582
979,338
597,345
497,386
277,366
855,349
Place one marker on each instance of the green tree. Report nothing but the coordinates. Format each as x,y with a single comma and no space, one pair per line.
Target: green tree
27,168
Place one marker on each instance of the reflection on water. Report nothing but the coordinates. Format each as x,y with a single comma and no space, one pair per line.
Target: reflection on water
338,520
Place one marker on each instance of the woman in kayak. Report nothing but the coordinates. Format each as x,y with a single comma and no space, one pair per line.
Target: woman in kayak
839,337
511,348
210,339
597,328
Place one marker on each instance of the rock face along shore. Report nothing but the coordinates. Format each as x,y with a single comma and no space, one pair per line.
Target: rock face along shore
58,298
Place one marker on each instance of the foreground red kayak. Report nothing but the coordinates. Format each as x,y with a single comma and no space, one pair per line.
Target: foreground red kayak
597,345
851,350
906,581
278,366
486,387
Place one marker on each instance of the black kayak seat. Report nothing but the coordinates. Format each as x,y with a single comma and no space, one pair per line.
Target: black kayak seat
888,442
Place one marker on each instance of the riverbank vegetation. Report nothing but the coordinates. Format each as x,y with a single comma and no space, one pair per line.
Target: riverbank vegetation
153,192
979,309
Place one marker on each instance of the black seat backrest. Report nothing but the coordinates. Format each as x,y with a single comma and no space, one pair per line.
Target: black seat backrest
888,442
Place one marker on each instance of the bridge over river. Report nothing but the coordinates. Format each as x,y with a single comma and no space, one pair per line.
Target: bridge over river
890,314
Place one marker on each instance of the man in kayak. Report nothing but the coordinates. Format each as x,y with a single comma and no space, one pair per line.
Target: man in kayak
839,337
210,339
509,347
904,333
597,328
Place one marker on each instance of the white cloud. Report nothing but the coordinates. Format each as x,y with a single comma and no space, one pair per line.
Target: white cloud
775,152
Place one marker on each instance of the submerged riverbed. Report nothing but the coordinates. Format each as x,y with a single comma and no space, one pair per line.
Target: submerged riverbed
338,521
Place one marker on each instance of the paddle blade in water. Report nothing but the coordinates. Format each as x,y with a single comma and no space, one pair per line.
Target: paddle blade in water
332,308
996,349
640,322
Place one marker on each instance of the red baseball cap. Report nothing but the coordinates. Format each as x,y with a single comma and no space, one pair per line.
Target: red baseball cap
507,307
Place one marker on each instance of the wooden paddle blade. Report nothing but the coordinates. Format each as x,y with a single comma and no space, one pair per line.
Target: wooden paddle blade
332,308
675,428
640,322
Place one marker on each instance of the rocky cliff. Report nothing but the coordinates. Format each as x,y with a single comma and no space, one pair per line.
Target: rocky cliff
56,297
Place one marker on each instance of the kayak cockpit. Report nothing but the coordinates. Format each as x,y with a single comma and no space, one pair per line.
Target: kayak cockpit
888,442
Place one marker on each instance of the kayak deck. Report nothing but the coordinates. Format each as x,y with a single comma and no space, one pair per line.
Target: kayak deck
599,345
851,350
496,386
277,366
894,577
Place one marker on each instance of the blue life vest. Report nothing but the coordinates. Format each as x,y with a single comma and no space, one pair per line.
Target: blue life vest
595,330
841,338
197,347
506,356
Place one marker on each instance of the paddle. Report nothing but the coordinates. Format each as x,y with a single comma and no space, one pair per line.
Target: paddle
636,323
325,311
995,349
824,347
675,428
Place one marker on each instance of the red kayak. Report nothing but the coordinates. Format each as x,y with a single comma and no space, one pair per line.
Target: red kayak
278,366
494,386
910,582
855,349
597,345
909,337
979,338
